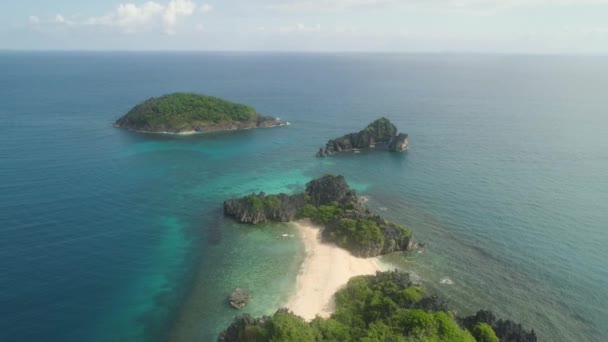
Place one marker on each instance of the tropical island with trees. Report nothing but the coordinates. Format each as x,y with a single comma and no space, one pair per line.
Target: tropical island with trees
368,304
187,113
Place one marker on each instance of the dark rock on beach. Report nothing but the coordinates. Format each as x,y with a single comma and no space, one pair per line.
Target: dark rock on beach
239,298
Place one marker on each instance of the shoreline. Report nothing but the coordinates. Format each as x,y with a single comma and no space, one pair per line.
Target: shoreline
325,270
188,133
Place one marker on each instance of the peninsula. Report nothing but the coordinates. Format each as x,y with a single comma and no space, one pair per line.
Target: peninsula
186,113
381,134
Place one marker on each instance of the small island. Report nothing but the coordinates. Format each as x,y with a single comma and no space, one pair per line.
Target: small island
186,113
381,134
330,203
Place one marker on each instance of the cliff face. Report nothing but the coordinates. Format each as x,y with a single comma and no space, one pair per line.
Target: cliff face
399,143
329,189
330,202
258,208
380,133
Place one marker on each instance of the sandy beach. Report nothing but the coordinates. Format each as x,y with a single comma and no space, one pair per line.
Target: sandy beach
326,269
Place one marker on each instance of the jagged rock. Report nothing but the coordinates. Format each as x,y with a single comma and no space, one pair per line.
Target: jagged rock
329,189
234,333
399,143
380,134
321,153
239,298
261,208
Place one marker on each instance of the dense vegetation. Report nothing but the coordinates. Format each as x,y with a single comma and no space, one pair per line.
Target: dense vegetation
384,307
183,112
382,130
356,229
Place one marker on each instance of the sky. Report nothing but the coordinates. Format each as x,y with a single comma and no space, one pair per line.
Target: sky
483,26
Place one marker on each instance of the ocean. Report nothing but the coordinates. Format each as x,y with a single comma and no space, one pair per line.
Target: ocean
111,235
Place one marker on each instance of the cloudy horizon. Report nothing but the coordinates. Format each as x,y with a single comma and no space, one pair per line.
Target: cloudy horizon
478,26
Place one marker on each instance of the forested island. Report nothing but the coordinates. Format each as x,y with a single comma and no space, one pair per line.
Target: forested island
329,202
185,113
386,307
379,134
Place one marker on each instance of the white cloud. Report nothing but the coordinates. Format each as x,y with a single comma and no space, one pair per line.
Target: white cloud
175,9
132,18
33,20
61,20
301,28
206,8
325,5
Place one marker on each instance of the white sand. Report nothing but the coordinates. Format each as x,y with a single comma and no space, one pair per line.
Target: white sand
326,269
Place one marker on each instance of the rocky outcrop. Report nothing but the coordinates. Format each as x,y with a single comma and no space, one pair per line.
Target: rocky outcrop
330,202
399,143
239,298
240,325
258,208
380,134
329,189
269,121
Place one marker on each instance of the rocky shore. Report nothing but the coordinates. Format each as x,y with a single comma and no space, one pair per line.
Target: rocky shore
381,134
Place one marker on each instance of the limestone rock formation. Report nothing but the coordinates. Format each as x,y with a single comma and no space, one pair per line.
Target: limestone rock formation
380,134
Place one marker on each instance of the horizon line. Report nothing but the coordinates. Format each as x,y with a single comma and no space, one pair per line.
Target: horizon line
325,52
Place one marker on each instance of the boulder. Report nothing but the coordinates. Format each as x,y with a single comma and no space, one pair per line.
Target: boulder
239,298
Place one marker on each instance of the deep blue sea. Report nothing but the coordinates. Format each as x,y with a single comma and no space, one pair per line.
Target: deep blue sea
110,235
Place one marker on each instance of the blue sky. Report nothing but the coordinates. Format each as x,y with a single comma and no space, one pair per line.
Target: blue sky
511,26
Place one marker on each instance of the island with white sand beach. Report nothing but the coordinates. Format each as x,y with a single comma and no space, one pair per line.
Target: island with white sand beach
325,269
341,292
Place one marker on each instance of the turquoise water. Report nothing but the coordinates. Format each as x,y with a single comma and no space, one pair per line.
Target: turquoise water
108,235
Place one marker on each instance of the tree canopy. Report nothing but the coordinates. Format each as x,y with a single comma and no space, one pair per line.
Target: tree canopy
184,111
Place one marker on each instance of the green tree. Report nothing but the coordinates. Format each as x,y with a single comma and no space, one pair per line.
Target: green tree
484,333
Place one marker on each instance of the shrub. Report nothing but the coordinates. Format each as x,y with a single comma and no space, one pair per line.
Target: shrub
484,333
